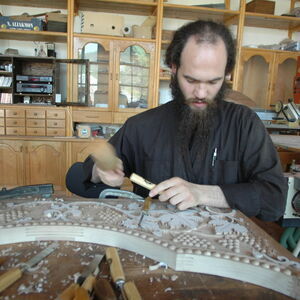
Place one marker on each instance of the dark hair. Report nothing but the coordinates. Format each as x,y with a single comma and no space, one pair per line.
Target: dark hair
204,31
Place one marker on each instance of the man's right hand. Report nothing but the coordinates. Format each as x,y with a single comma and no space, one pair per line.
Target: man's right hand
114,178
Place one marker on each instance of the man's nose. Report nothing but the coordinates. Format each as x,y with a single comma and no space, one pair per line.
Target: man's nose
200,91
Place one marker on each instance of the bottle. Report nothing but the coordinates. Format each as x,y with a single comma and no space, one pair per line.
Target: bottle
293,166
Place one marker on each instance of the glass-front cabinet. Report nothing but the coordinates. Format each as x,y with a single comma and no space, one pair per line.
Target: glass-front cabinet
120,73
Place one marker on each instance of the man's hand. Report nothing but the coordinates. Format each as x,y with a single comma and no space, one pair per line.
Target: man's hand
114,178
185,194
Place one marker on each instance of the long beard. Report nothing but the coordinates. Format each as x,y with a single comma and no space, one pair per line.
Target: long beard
194,130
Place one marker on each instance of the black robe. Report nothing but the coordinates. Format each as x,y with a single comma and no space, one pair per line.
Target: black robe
246,167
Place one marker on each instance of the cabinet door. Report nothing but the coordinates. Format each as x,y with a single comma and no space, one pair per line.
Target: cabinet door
99,54
134,75
285,68
255,75
46,163
11,164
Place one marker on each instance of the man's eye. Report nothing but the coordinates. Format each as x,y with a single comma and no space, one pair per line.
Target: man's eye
190,80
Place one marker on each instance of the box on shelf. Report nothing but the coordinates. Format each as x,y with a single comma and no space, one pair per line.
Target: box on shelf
143,32
21,23
56,22
261,6
101,23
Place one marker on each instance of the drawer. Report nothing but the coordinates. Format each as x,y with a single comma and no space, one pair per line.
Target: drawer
56,123
35,113
56,132
35,123
1,113
35,131
120,117
2,131
15,130
55,114
14,113
11,122
1,121
92,116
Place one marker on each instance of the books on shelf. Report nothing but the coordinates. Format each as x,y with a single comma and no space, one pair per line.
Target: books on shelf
5,81
5,98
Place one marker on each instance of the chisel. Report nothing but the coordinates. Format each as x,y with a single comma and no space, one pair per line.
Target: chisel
128,291
148,185
84,283
14,274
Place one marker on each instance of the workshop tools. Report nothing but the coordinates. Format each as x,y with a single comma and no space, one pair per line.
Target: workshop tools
84,284
128,289
148,185
14,274
44,190
105,157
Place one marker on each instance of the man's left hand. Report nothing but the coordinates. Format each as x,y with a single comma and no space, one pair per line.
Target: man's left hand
185,194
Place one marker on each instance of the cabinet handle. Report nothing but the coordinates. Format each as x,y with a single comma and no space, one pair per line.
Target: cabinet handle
117,76
55,123
35,123
91,117
21,148
15,113
15,131
15,122
35,114
55,115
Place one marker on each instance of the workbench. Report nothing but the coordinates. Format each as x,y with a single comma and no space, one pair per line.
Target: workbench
59,269
288,142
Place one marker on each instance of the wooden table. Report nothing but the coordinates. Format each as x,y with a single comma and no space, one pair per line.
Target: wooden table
57,271
289,142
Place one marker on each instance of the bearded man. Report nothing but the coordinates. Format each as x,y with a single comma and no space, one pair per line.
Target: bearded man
199,149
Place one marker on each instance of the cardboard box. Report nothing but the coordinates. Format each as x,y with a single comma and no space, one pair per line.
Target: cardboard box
23,23
142,32
101,23
261,6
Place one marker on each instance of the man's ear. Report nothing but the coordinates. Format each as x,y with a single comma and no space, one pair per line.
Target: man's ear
173,69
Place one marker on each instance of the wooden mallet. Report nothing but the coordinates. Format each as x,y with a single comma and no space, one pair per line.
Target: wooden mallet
105,157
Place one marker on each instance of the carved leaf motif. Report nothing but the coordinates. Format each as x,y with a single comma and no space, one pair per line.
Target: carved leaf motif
181,219
223,226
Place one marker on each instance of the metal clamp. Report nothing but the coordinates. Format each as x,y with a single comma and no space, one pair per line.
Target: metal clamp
120,193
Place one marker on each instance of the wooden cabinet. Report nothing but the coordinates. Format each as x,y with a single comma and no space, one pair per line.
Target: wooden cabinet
121,74
11,163
267,76
33,121
32,162
45,163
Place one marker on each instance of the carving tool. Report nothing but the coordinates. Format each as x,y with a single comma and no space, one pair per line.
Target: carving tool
14,274
84,284
105,157
128,289
148,185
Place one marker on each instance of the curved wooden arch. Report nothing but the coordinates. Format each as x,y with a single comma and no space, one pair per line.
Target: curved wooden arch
223,243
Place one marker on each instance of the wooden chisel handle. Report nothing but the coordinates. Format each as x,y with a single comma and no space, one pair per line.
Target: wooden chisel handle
88,283
115,266
81,294
131,291
68,293
9,277
141,181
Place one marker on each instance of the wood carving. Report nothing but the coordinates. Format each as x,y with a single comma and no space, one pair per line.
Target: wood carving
204,240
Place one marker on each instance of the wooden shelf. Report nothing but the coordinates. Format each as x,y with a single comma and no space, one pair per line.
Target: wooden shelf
123,7
109,37
271,21
27,35
165,78
186,12
60,4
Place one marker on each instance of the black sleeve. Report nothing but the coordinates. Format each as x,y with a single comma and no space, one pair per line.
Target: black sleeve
264,192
